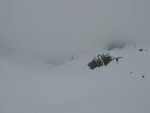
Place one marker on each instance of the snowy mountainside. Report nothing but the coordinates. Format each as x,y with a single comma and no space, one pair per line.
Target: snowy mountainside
72,87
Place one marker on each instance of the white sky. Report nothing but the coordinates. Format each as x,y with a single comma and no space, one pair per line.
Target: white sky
56,27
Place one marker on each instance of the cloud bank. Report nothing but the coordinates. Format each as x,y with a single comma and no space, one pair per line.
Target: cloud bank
55,28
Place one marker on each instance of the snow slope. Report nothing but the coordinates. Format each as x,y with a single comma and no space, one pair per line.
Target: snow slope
73,88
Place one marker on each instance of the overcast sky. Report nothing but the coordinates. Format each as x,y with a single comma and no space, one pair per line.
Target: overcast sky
57,27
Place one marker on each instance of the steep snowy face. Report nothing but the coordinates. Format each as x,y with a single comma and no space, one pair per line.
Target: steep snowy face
120,87
63,27
35,35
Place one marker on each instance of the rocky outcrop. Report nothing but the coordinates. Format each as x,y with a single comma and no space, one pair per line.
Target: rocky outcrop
102,60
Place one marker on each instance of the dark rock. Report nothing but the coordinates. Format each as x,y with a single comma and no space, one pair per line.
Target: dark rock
141,49
94,63
117,59
102,60
106,59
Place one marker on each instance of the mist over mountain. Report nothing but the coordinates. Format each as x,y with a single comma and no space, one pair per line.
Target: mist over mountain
53,29
74,56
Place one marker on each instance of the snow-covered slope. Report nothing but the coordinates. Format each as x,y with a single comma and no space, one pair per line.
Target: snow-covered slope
72,87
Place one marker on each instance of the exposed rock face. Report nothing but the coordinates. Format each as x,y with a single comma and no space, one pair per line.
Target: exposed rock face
102,60
95,63
141,49
106,59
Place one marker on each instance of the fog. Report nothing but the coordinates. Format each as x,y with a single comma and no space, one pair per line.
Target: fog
52,29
